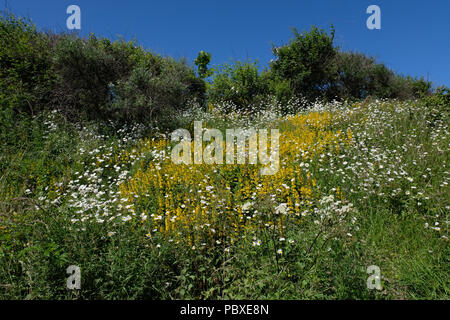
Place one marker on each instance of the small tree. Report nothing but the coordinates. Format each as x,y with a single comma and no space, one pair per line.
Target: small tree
239,83
308,62
353,75
202,61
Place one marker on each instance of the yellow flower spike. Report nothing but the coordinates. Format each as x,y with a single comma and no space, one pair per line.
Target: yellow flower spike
349,135
305,137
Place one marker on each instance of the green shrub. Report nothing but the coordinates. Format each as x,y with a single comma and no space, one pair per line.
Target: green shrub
239,83
316,69
384,83
92,78
360,76
277,87
202,61
354,71
438,105
308,62
381,81
119,80
420,87
85,69
156,87
25,67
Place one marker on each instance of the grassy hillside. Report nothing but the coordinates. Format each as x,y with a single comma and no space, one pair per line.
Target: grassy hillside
359,184
87,178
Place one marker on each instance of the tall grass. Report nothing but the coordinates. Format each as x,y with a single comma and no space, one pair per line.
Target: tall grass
62,205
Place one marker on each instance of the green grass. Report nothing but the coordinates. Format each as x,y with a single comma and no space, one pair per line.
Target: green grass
38,241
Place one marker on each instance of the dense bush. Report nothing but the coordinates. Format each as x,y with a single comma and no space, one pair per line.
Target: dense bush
239,83
202,61
120,80
85,69
89,78
420,87
354,72
96,78
311,67
278,87
25,66
440,98
438,105
359,183
314,68
307,62
155,86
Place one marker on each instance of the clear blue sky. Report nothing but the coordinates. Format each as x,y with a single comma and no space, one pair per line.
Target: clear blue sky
414,38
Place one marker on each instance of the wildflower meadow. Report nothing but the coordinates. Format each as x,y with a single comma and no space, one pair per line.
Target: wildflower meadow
125,174
358,184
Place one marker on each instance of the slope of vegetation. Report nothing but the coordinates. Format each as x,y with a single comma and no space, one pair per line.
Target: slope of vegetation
86,176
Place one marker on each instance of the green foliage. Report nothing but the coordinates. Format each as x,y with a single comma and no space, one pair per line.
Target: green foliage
85,68
438,105
276,86
102,80
360,76
89,78
239,83
38,241
420,87
405,88
316,69
307,62
120,80
440,98
37,150
202,61
380,81
25,66
99,79
155,86
354,74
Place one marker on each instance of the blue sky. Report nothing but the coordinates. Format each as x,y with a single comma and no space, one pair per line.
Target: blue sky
414,38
